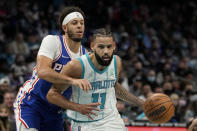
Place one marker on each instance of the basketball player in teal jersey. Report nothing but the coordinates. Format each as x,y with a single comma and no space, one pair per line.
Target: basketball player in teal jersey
101,68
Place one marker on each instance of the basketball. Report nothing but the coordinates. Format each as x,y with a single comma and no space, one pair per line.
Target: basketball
159,108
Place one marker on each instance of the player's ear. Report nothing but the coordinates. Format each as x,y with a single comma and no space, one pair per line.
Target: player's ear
92,45
64,28
114,45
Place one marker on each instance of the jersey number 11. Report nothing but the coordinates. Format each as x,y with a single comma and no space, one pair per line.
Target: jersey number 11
95,98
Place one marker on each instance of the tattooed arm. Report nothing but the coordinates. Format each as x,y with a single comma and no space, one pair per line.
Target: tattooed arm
122,93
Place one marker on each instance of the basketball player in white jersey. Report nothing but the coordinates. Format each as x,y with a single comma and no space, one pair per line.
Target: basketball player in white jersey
101,68
32,110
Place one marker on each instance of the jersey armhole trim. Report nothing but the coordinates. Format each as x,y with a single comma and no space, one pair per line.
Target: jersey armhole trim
115,65
82,67
60,50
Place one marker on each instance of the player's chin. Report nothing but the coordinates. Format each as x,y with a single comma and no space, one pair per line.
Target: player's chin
106,62
78,39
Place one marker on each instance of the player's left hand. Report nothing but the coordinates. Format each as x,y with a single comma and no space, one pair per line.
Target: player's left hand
87,109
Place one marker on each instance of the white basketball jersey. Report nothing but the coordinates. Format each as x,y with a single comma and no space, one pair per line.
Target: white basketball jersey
102,90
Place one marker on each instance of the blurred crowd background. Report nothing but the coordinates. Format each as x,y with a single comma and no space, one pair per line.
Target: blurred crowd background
157,41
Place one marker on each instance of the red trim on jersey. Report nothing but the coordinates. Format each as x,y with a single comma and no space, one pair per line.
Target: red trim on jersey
24,123
26,126
60,50
66,47
34,67
33,85
25,83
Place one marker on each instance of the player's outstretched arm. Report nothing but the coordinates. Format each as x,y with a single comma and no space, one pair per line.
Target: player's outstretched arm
122,93
47,53
45,71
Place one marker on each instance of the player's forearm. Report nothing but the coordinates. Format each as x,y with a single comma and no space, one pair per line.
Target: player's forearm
57,99
52,76
124,95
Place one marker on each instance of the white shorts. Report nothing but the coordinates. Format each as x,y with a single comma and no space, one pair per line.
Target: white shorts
110,123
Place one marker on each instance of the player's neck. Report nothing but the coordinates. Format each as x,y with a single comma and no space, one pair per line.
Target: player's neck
95,62
72,45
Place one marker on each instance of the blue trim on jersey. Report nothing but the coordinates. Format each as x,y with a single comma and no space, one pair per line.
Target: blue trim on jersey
83,50
94,68
115,65
82,67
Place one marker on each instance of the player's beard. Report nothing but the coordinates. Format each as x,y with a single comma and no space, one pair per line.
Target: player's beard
71,36
101,61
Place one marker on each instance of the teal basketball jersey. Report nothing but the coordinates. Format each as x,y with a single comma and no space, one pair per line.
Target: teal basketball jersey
102,91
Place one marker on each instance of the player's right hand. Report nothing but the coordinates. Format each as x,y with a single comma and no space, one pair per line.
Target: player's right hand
83,84
87,109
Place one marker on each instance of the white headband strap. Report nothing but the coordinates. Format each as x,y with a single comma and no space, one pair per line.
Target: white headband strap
71,16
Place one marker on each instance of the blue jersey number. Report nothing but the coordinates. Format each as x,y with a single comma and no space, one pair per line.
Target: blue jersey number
95,97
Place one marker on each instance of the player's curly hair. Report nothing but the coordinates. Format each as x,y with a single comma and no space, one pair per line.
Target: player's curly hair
102,32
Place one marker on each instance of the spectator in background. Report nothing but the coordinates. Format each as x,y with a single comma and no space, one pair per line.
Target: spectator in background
137,73
175,100
136,86
188,90
121,109
4,122
146,92
32,39
191,110
19,46
10,56
167,87
124,80
31,59
159,90
151,79
4,87
4,68
183,68
8,101
18,70
166,71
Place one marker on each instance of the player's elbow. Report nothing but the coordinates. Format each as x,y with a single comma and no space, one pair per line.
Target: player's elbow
41,73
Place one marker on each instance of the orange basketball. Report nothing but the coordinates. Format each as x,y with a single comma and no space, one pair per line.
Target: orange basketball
159,108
